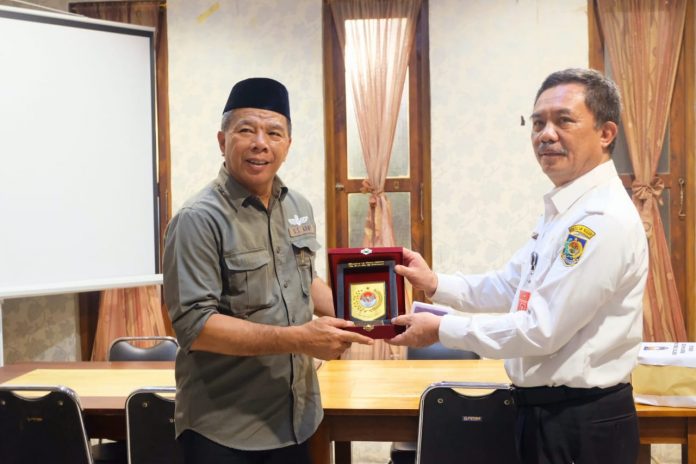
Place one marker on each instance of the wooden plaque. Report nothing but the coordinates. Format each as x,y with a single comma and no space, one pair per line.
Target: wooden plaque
367,290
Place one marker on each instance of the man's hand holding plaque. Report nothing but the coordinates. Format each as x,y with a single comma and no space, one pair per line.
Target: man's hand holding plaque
367,290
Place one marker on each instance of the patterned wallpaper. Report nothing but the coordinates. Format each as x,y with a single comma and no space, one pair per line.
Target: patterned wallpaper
41,329
487,60
487,186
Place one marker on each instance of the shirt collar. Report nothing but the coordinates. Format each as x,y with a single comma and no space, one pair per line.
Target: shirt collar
239,196
561,198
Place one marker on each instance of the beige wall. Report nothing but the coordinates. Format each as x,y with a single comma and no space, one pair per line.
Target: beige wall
240,40
61,5
487,59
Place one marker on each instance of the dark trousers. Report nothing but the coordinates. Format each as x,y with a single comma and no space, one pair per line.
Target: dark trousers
199,450
583,429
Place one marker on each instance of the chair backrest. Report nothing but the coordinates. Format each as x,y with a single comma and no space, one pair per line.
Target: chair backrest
455,427
150,422
439,351
122,349
42,424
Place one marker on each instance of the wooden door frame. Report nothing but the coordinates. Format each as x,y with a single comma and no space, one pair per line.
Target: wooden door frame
335,136
682,144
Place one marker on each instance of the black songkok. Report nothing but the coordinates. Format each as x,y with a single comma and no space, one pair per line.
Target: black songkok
259,92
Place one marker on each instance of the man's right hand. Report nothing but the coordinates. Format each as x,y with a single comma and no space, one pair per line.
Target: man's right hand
324,338
417,271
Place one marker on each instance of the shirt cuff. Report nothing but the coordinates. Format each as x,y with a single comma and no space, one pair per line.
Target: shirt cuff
453,330
188,327
448,287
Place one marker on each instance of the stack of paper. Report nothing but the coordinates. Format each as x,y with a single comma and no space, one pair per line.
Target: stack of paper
666,374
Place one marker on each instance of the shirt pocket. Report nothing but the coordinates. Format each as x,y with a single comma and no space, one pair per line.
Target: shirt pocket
249,280
305,248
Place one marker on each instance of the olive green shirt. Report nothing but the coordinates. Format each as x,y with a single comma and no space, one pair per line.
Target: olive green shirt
226,253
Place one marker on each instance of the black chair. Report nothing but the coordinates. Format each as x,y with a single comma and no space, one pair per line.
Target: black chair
455,427
123,349
162,348
150,420
38,428
404,452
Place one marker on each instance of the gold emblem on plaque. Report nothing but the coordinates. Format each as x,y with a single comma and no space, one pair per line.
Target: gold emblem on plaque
368,301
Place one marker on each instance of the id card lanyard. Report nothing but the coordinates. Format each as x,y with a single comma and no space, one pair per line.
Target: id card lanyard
525,294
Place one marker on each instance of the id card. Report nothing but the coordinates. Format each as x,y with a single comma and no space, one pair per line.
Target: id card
523,302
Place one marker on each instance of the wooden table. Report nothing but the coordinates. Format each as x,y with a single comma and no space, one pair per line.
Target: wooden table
379,400
363,400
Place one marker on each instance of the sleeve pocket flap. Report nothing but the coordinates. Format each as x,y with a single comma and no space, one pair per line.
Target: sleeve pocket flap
306,242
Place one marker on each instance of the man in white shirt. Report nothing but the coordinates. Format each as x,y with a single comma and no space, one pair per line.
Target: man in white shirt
572,295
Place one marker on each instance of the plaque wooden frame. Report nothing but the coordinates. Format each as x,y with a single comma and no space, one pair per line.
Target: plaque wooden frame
364,282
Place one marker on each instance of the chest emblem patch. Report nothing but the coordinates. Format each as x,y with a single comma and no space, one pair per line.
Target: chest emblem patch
300,226
574,245
297,221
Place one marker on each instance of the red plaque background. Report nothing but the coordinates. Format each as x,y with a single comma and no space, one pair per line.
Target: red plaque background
357,265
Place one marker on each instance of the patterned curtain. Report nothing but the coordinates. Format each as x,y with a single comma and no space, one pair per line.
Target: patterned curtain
376,38
135,311
643,40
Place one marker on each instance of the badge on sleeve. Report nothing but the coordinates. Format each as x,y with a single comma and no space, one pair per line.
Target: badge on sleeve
574,245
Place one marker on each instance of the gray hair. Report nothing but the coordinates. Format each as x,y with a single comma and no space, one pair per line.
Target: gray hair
602,97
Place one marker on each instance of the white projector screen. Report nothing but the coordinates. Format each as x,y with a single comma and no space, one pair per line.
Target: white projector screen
78,192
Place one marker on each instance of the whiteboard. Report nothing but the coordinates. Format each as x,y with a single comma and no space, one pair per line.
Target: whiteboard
78,185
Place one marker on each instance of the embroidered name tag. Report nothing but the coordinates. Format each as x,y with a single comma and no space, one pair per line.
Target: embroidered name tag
294,231
574,245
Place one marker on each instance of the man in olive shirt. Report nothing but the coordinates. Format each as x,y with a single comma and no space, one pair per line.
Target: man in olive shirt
241,287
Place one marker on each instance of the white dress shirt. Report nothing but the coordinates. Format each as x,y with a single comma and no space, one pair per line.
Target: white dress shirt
577,318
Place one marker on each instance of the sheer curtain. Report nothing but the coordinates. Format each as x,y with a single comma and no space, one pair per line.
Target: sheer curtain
376,38
134,311
643,40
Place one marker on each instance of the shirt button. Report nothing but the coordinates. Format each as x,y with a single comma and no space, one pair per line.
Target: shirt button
277,250
285,284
